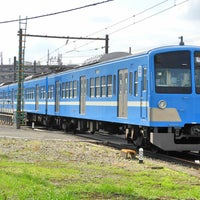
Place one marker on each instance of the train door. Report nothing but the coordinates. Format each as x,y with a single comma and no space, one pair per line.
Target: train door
142,75
83,88
122,93
37,97
57,96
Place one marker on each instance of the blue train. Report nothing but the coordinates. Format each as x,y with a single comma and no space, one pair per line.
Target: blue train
152,97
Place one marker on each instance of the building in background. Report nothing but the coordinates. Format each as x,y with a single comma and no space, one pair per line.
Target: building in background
9,72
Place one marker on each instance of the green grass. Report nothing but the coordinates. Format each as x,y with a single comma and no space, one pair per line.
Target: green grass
63,180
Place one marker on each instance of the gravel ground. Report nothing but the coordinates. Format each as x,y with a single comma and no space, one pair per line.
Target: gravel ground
30,145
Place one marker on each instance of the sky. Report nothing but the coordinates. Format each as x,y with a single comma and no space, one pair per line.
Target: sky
136,24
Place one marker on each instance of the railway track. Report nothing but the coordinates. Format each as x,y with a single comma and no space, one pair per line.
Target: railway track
176,158
190,160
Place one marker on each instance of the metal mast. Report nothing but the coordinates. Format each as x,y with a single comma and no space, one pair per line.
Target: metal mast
20,115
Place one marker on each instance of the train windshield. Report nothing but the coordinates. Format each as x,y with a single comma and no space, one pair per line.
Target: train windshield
173,72
197,71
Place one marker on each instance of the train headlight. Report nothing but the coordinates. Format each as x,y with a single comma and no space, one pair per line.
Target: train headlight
162,104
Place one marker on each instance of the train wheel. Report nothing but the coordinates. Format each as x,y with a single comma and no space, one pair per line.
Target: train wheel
72,126
137,137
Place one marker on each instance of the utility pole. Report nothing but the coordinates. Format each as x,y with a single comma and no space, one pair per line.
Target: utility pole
20,115
19,92
106,44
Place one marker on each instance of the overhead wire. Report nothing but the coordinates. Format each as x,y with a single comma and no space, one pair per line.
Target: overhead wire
148,17
128,18
115,24
135,22
55,13
108,27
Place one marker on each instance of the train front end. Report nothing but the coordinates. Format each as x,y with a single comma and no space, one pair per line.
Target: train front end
175,98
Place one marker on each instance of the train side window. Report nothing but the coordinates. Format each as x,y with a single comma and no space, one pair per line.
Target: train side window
75,89
29,93
103,86
25,94
42,92
109,78
87,87
114,85
136,83
50,92
70,89
67,90
131,83
63,90
144,78
92,89
15,94
97,87
9,95
33,93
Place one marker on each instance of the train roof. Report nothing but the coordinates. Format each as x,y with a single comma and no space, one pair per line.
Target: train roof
114,56
173,47
105,57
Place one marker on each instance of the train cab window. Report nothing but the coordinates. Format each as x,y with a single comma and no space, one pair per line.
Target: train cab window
103,86
136,83
92,87
97,87
197,71
173,72
109,79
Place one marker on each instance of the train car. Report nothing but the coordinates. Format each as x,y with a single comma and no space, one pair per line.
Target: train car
151,97
7,98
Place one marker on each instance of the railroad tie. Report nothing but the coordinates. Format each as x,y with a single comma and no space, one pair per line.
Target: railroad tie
128,153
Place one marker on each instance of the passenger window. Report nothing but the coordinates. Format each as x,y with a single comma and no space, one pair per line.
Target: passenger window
67,90
114,85
70,89
131,83
103,86
144,79
92,87
126,83
136,83
42,92
50,92
109,86
75,89
97,84
63,90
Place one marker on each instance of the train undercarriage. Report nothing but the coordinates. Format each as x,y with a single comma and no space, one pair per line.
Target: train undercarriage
167,139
